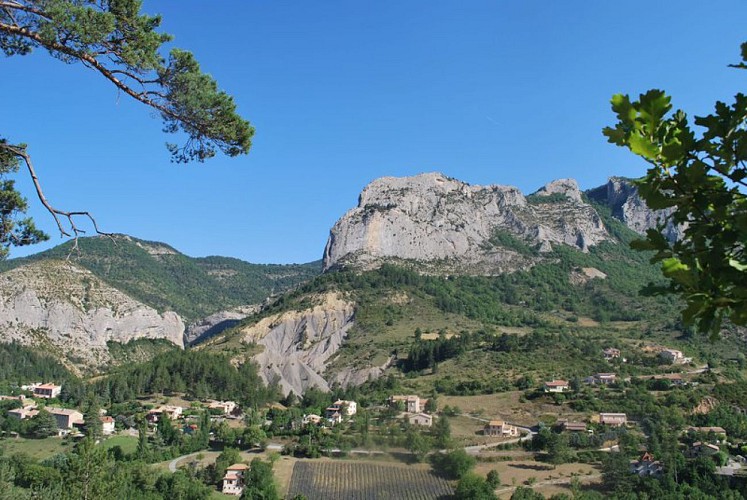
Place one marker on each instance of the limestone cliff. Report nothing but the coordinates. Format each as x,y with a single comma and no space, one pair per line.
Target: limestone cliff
446,225
623,199
298,344
67,310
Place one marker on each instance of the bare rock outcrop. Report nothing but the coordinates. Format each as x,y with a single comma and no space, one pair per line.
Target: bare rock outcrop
216,323
298,344
622,197
66,309
446,225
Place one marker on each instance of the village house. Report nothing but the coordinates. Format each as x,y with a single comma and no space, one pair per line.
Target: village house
573,426
613,419
701,449
646,466
47,391
311,419
170,412
227,407
28,411
107,425
499,428
673,356
412,403
65,419
602,379
718,432
422,419
20,398
345,408
333,418
233,481
611,353
557,386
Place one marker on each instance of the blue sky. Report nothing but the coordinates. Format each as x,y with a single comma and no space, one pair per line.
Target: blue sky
340,92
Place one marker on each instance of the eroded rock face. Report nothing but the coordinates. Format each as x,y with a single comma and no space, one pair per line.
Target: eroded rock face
450,226
216,323
298,344
67,309
622,197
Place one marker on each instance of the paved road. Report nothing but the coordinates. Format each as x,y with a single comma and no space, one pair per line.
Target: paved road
172,464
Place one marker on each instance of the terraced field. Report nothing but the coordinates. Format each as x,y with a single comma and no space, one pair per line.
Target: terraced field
364,481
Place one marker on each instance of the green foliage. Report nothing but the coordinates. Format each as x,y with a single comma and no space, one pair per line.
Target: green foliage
227,458
15,229
43,425
493,479
552,198
454,464
168,280
123,45
196,373
474,487
701,178
524,493
506,239
260,484
20,365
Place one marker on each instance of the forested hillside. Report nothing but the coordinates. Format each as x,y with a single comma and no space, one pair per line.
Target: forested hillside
161,277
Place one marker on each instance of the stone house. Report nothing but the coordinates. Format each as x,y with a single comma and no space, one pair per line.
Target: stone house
611,353
557,386
47,391
413,404
344,408
65,418
422,419
107,425
499,428
613,419
672,355
233,481
602,379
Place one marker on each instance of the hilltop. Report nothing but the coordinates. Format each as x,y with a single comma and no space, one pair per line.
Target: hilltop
82,305
430,257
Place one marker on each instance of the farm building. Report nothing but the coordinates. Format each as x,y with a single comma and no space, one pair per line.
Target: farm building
422,419
573,426
602,379
614,419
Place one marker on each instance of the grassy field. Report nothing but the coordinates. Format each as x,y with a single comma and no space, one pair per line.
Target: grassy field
37,448
506,406
127,443
548,479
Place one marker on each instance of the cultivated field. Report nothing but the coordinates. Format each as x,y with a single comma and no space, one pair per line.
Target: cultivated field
365,481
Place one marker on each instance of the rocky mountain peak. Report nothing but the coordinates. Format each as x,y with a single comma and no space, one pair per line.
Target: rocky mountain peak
566,187
446,225
621,195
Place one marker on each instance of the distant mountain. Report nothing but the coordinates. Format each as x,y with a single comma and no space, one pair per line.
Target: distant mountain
66,311
442,225
161,277
434,254
83,305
